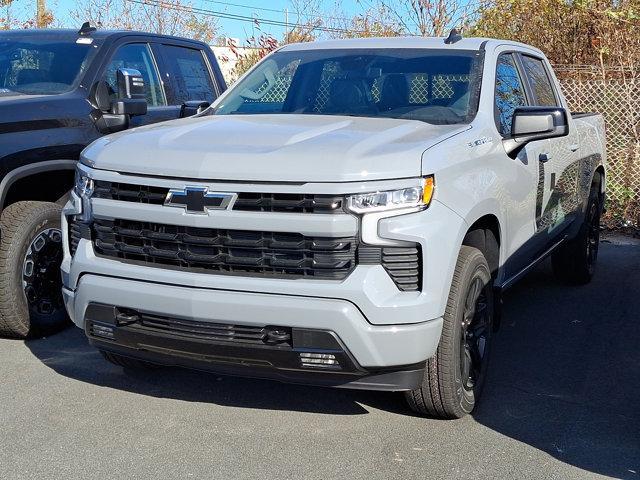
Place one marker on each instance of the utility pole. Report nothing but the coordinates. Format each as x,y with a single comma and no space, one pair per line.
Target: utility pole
286,25
41,14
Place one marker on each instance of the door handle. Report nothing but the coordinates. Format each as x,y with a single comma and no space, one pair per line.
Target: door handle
544,157
573,147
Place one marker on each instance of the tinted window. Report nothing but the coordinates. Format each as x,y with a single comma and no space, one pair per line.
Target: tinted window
137,56
189,73
434,86
539,81
40,68
509,92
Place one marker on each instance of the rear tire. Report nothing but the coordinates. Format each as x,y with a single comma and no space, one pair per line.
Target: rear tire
31,302
575,261
127,362
455,376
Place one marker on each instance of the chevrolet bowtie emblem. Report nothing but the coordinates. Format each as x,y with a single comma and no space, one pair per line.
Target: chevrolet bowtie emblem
198,200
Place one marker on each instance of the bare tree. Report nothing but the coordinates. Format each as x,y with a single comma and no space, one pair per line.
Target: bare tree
168,17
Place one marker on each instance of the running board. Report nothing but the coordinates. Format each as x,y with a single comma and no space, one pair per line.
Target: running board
509,282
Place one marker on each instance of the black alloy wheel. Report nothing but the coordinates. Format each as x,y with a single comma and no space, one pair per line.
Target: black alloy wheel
41,279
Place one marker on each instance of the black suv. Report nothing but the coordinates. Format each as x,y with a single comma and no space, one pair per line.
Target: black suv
59,91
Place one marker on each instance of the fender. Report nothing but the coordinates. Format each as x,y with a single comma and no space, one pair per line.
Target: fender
490,206
34,168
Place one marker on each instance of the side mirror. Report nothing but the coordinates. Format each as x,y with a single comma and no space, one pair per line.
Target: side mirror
132,99
193,107
536,123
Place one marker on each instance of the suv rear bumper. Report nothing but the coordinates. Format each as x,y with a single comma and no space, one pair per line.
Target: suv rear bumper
385,357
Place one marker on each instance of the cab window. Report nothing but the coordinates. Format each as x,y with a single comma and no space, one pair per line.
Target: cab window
539,81
137,56
189,73
510,92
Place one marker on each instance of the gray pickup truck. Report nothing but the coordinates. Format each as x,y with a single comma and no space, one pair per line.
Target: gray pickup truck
347,214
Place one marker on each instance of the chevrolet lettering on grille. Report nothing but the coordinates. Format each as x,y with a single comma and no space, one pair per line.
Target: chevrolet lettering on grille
198,200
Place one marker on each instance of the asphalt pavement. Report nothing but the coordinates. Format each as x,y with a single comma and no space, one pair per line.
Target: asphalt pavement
560,402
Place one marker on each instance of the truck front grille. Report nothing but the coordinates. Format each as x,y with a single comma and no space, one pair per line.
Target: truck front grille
225,251
212,331
247,201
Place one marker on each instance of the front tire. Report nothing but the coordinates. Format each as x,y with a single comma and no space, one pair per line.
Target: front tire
30,282
455,376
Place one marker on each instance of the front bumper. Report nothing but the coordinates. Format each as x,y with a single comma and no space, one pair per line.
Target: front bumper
369,347
381,329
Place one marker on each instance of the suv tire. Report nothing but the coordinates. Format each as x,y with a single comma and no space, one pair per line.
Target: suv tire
455,376
575,261
31,302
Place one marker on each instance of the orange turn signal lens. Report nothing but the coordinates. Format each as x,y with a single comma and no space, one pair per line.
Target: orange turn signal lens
428,189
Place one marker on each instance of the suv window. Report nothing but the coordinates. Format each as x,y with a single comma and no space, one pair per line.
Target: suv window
190,74
539,81
137,56
509,92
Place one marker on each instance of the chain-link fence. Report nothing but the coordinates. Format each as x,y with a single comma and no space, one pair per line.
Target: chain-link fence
618,100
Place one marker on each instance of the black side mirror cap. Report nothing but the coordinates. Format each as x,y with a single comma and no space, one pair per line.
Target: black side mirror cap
132,99
193,107
536,123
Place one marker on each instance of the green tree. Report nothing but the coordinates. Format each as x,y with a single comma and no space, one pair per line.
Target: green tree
585,32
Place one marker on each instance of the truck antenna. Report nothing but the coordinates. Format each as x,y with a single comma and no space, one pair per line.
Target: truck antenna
454,36
86,29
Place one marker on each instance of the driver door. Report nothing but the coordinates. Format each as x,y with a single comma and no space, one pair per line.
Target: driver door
139,56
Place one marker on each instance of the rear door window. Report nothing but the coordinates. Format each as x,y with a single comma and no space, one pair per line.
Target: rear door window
539,80
188,73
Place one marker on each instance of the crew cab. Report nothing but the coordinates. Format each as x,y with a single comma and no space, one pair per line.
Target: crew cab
59,91
348,214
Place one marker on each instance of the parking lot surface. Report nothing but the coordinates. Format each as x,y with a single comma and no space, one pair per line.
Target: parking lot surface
561,402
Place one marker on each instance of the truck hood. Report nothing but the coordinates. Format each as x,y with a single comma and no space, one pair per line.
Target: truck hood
274,148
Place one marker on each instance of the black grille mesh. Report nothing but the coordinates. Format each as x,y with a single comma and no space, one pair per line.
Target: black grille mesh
75,234
249,202
225,251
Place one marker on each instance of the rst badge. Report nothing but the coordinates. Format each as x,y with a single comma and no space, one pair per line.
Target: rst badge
199,200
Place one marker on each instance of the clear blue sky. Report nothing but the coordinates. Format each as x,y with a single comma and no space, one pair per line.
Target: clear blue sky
229,27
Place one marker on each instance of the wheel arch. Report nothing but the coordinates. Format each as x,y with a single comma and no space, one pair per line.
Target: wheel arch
485,235
40,174
599,176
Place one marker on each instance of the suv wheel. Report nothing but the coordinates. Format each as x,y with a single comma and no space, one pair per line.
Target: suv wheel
455,376
575,261
30,280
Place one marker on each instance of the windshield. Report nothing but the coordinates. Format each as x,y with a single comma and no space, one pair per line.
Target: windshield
434,86
40,67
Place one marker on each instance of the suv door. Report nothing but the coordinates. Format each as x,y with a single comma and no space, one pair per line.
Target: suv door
187,74
525,191
559,170
139,56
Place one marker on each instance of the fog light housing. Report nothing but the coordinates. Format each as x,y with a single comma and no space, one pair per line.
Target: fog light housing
319,360
102,330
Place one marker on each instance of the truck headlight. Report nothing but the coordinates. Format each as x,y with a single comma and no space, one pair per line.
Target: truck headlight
84,189
84,184
418,196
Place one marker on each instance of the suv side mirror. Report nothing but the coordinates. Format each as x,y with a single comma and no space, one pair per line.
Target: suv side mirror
132,99
193,107
536,123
